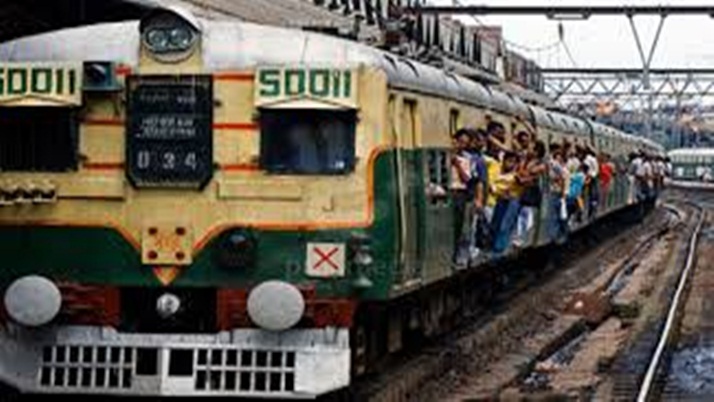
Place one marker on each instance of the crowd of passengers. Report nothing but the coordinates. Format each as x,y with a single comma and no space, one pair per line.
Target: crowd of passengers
498,189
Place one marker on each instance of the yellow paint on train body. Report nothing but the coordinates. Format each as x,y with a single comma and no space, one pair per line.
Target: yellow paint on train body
240,193
99,194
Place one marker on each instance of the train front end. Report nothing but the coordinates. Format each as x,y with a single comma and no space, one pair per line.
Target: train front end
182,215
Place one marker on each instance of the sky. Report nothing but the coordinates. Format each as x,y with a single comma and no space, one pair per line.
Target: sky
606,41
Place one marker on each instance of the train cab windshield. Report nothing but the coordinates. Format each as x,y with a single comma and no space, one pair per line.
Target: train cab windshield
307,141
39,139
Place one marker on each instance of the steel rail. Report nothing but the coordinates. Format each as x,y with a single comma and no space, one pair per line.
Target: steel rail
655,361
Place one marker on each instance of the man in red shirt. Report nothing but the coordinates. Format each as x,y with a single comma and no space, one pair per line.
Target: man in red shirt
607,170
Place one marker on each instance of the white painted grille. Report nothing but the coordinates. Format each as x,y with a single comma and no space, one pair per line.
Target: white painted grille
85,367
245,370
78,360
213,370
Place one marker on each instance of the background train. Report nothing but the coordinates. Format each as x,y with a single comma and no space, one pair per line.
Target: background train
162,234
692,164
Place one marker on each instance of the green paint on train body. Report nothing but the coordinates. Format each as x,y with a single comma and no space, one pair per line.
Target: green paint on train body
103,256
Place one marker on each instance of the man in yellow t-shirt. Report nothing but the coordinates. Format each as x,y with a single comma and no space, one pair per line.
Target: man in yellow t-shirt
493,171
507,192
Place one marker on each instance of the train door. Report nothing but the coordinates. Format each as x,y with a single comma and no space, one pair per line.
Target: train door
538,229
542,235
411,196
439,209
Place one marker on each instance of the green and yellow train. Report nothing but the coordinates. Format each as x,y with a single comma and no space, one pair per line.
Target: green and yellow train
194,207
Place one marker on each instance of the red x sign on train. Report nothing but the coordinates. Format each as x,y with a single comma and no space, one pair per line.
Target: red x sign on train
325,260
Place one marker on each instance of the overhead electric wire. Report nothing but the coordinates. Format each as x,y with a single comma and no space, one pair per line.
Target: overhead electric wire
551,46
561,36
570,56
532,49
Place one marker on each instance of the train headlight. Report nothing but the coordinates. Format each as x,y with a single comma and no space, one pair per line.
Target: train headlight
181,38
157,40
237,249
167,305
362,260
363,257
170,35
275,305
33,301
169,40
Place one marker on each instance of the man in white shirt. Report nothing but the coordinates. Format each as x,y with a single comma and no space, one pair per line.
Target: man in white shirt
593,183
634,171
645,176
661,173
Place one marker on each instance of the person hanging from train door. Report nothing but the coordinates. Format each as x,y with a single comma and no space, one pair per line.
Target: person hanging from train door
634,172
530,177
661,172
496,134
573,158
459,186
493,159
650,179
507,191
523,142
644,176
593,189
576,194
477,188
607,172
559,178
668,167
656,175
522,147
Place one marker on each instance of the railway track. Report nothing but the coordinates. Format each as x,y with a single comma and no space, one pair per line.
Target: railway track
678,363
627,354
430,373
647,385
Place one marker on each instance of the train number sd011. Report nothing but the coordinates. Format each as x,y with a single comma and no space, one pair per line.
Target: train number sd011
275,85
169,131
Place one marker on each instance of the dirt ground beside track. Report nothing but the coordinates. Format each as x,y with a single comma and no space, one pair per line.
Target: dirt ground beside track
567,331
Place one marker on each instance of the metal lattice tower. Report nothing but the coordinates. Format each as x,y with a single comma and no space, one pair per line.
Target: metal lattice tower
643,96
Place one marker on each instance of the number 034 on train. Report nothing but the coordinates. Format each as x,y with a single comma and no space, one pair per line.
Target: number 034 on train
213,208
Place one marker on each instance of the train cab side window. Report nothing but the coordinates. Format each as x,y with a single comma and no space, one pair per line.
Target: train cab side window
307,141
39,139
437,174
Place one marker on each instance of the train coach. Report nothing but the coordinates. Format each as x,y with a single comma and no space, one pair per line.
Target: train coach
194,207
692,164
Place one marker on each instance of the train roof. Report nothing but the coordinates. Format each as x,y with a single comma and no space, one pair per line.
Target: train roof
230,45
234,45
606,131
559,121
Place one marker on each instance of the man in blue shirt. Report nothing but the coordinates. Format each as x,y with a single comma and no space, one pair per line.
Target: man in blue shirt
575,191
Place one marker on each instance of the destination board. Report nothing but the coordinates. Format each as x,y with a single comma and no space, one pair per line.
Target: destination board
169,131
